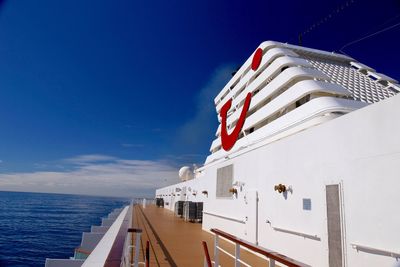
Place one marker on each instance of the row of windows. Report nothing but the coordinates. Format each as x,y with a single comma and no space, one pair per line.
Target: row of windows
238,79
289,107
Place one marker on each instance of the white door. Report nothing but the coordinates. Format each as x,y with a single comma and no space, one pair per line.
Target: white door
251,203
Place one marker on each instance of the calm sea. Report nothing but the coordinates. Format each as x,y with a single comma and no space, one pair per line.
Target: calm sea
35,226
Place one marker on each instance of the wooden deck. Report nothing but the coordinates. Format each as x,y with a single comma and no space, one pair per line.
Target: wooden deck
174,242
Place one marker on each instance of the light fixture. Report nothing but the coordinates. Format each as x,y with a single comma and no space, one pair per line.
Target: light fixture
233,191
281,188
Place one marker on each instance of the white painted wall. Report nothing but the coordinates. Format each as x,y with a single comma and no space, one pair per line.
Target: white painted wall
360,150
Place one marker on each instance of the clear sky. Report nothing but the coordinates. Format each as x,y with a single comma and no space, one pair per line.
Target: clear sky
111,97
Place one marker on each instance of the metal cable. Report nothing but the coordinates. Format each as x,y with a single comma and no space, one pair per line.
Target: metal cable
369,35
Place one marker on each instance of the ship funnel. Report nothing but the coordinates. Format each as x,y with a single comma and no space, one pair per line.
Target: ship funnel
186,173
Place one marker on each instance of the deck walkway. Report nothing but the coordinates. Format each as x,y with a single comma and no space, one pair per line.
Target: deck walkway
174,242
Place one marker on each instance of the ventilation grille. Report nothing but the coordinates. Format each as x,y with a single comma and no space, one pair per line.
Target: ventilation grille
224,181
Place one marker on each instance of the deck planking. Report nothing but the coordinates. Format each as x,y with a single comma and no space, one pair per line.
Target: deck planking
174,242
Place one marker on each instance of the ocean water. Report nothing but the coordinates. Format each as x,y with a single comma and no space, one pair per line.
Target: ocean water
36,226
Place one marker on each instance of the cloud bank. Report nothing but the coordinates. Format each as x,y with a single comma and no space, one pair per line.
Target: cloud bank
96,175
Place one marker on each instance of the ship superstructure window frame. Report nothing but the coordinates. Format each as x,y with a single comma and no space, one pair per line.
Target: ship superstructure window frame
273,96
283,111
279,113
273,75
256,73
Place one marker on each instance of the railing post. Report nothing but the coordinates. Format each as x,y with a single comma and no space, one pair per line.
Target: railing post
147,253
271,263
216,251
130,237
137,246
237,255
130,249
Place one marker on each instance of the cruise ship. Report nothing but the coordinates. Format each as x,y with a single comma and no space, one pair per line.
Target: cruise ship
303,171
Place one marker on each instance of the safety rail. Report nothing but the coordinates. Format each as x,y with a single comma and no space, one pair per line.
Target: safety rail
225,217
272,256
376,251
130,254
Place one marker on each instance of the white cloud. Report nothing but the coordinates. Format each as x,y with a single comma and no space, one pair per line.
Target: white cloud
205,109
86,159
198,133
96,175
132,145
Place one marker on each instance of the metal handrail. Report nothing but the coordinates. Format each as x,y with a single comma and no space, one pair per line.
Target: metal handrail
376,251
310,236
207,259
271,255
224,217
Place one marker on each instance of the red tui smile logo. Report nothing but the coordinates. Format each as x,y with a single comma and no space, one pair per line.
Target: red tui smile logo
229,140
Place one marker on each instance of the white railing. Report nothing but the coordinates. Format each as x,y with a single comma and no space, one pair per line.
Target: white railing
258,251
130,255
376,251
225,217
310,236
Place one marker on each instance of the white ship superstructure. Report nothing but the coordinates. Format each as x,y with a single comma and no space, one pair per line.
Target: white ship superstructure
305,160
294,88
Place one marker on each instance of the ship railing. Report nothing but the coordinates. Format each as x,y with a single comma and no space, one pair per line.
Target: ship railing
272,256
130,254
131,251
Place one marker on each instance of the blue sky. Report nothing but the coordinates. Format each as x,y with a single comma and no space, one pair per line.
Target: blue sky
122,86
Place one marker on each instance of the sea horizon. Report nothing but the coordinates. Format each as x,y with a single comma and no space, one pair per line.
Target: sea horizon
36,226
71,194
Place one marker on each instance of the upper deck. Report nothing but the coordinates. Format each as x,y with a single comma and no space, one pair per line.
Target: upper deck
292,88
174,242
